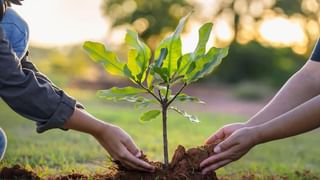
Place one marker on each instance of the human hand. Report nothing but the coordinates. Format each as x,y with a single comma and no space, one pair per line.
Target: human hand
224,132
121,147
231,149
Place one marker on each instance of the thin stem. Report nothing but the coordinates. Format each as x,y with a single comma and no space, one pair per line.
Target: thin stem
160,96
150,92
167,92
184,85
165,137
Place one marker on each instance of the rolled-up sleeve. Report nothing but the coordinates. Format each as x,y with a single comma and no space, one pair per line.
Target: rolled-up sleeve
31,96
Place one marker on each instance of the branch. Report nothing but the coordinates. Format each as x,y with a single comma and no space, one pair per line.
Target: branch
150,92
184,85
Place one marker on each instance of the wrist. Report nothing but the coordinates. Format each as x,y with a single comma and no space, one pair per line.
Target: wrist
256,132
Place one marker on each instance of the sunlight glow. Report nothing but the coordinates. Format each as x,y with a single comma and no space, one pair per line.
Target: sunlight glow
280,30
61,22
223,31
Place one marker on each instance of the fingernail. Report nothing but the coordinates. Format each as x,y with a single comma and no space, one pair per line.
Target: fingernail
217,149
138,154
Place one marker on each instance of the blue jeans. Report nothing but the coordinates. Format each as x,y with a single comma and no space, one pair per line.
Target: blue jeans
16,31
3,143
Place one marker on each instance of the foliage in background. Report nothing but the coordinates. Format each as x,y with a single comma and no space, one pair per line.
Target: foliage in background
243,15
63,65
149,17
254,62
157,73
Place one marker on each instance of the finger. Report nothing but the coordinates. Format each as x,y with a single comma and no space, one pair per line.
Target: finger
122,165
132,147
225,145
216,136
216,166
216,158
136,163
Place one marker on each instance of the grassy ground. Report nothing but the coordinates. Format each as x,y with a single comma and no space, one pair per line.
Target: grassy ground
57,151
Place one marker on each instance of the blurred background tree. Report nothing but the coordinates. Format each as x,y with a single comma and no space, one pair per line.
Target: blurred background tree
150,18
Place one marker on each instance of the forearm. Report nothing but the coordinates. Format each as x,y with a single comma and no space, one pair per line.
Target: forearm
301,119
300,88
84,122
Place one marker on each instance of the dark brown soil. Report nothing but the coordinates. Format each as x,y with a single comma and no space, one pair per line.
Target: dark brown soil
17,172
184,166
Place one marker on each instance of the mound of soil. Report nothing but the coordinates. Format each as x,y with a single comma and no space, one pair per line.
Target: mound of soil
17,172
184,166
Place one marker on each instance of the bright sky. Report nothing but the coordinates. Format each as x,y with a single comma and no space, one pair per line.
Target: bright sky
63,22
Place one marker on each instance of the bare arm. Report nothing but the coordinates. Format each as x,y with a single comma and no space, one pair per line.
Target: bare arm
301,119
301,87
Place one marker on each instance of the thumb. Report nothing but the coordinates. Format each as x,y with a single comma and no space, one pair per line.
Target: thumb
132,148
224,145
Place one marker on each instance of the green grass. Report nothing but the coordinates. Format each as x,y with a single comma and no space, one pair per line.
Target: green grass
57,151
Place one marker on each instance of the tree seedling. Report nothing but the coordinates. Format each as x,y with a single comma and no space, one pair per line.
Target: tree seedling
157,73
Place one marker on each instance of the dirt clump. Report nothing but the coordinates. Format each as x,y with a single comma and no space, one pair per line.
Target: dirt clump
17,172
73,176
185,165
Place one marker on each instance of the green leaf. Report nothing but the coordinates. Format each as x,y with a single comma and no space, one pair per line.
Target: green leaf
206,64
185,61
99,53
187,98
204,34
191,118
158,64
162,72
150,80
148,116
173,45
132,64
163,55
143,103
121,94
142,55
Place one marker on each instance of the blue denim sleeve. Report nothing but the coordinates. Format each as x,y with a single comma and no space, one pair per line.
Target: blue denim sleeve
30,96
16,31
315,56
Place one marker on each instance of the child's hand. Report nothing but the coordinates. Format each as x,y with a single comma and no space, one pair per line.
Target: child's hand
122,148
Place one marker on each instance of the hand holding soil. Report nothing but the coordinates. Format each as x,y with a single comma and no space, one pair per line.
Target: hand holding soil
231,149
122,148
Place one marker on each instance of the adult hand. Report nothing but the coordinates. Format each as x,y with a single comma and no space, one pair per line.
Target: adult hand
116,141
122,148
231,149
224,132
